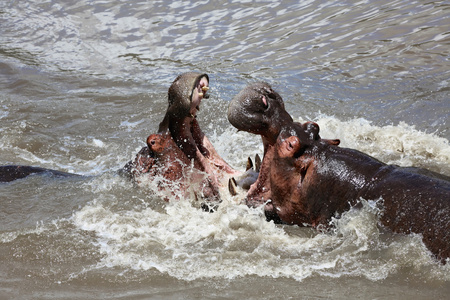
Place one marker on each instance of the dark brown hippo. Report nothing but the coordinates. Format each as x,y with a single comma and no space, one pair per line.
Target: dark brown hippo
260,110
306,180
184,96
182,138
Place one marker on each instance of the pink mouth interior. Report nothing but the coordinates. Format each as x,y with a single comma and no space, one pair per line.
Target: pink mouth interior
198,94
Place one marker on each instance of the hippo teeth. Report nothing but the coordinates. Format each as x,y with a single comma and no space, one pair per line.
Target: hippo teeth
257,163
232,186
249,164
200,94
205,88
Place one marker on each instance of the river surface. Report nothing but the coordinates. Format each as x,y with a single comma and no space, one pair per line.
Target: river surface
83,83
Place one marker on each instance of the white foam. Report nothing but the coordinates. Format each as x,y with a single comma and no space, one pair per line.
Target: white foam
97,143
188,243
400,144
130,125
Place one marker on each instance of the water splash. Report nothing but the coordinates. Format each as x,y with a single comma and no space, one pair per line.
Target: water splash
400,144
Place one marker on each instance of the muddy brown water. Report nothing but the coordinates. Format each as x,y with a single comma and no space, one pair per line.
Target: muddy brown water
83,83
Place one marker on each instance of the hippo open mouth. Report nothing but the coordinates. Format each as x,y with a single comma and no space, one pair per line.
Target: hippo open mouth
199,92
180,137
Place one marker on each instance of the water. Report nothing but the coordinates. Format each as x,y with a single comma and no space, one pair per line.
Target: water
83,83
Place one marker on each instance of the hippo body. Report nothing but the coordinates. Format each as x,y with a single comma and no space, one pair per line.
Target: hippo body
306,180
325,180
161,157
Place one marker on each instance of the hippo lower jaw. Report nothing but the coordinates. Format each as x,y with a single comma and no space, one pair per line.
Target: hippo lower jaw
270,211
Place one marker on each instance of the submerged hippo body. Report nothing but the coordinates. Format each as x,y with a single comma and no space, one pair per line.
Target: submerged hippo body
306,180
13,172
161,157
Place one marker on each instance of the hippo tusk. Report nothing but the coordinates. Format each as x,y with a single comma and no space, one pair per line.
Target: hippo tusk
257,163
205,88
232,186
249,164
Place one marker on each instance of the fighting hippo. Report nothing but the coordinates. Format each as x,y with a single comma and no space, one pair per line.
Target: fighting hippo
181,137
306,180
260,110
161,156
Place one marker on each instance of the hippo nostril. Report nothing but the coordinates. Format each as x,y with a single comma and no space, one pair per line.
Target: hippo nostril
152,142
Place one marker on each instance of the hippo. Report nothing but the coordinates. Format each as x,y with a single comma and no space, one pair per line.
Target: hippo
161,157
182,138
305,180
259,109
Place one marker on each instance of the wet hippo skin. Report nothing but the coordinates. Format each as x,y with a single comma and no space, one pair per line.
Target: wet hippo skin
306,180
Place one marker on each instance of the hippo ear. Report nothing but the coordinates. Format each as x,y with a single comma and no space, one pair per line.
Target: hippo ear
334,142
289,146
151,140
156,143
312,129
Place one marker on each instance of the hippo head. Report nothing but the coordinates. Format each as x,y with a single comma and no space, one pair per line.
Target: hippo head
294,180
260,110
186,93
291,169
288,176
289,157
